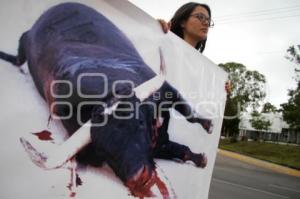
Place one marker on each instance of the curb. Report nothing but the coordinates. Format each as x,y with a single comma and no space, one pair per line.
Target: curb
260,163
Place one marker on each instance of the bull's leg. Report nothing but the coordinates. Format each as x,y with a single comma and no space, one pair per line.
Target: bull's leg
20,58
166,149
172,150
170,98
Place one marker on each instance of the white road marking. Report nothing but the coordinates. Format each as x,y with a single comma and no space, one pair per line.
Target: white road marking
284,188
249,188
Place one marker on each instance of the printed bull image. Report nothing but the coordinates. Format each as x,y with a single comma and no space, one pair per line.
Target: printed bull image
91,75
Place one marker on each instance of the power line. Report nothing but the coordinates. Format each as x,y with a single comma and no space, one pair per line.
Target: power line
257,19
294,11
272,52
260,12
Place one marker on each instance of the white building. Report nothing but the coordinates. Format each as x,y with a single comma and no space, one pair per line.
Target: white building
279,130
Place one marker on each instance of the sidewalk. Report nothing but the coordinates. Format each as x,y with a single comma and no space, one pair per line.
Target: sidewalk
260,163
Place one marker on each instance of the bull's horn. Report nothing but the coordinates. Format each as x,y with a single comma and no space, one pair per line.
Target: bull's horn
62,153
163,68
144,90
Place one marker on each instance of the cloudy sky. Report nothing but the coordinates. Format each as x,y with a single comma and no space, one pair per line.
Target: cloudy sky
252,32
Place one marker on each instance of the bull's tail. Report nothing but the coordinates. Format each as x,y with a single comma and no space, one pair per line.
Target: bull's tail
10,58
20,58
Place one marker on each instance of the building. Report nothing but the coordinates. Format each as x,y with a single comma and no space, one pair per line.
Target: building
279,130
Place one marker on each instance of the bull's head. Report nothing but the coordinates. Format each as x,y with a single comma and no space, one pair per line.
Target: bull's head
125,142
125,138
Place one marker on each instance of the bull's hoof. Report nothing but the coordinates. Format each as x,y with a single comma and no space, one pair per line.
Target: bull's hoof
207,125
200,160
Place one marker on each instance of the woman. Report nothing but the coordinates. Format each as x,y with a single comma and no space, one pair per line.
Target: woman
190,22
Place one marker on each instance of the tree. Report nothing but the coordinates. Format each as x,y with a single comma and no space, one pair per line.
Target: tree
294,56
248,87
269,108
259,122
291,109
248,92
230,125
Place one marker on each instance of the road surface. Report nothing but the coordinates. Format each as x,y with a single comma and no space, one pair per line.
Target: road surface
233,179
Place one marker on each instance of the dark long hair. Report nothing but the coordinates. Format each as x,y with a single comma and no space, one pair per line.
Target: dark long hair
181,15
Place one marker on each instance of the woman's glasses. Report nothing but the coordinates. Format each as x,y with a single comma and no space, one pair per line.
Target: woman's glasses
202,18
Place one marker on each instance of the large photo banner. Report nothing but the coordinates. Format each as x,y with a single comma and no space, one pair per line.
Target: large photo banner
87,63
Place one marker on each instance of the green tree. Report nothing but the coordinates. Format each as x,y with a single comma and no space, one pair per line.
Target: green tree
259,122
230,125
269,108
248,92
293,54
291,109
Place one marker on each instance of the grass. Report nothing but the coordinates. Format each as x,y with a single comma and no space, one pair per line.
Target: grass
285,155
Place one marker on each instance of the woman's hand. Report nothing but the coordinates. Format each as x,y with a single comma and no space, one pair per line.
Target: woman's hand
164,25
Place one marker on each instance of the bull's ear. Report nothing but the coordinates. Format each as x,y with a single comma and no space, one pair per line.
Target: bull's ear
123,89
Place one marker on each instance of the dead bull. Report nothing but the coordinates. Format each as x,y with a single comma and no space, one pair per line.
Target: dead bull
66,49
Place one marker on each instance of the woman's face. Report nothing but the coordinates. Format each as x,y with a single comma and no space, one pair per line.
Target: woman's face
196,26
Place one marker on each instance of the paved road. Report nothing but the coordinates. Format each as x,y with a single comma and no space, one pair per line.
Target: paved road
233,179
